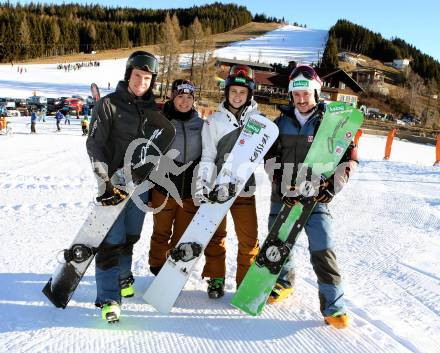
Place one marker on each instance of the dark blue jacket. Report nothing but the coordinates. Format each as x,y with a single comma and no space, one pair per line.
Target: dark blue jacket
59,116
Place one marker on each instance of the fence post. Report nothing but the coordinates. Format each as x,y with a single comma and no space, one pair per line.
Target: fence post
357,137
389,143
437,152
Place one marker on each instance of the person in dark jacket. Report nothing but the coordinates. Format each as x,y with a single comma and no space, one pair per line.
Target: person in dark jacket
117,120
58,117
176,206
34,118
298,124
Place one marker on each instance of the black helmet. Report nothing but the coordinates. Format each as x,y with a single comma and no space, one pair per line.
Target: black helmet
141,60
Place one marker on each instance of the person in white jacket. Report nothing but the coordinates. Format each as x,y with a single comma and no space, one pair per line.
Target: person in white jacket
219,134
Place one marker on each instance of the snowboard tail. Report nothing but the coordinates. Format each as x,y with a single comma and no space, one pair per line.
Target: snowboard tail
338,127
61,290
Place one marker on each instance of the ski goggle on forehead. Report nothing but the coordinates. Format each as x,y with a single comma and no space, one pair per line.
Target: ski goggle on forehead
306,71
239,70
145,62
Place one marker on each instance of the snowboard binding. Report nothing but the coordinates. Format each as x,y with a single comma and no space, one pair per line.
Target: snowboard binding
79,253
186,252
272,255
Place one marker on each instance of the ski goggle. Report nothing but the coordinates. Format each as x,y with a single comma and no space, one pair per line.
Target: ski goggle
241,70
306,71
145,63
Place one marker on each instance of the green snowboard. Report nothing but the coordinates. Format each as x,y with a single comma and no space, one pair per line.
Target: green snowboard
337,129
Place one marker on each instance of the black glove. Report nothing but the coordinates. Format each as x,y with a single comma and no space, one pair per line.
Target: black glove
222,193
326,191
112,195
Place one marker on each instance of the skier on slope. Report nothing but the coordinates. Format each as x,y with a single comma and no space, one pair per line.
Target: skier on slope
34,118
298,124
219,135
85,125
176,204
117,120
58,117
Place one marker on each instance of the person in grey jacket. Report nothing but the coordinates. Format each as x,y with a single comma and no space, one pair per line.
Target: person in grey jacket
175,206
117,120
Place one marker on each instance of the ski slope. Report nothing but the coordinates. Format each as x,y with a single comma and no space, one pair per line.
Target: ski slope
304,45
387,223
287,43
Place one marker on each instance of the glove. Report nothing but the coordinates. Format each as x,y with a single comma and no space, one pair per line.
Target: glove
290,201
222,193
326,191
112,195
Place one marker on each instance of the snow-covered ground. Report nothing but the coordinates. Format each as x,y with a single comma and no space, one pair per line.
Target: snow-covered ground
387,223
303,45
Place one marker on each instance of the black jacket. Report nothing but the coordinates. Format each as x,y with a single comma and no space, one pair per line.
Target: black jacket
117,120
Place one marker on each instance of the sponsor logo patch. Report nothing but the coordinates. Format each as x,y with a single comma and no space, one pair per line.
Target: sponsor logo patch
253,127
309,139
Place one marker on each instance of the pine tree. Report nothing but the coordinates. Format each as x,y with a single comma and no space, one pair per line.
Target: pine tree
330,59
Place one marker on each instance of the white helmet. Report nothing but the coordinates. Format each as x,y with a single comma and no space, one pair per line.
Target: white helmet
304,78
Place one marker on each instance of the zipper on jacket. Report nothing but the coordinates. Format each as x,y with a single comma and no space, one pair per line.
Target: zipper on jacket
184,157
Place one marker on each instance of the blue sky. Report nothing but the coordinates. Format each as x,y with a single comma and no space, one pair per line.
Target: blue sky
416,22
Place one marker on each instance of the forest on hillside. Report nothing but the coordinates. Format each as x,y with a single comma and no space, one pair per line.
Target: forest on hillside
39,30
352,37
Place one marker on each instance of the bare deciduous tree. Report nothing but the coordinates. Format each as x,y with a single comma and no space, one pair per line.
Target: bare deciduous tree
196,36
206,71
169,51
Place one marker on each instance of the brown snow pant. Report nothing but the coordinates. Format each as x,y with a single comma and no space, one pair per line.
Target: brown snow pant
168,226
244,214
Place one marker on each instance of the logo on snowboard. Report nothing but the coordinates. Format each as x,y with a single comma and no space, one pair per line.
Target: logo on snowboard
253,127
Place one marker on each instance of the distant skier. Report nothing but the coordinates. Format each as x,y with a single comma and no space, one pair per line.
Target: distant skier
85,125
67,118
34,118
219,135
298,124
117,121
58,117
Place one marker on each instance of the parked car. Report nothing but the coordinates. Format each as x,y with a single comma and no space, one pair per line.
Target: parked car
36,103
55,104
73,105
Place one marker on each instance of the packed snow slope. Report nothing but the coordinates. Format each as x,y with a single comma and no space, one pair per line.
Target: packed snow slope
303,45
387,238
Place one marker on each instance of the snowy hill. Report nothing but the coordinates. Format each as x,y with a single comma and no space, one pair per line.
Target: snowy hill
303,45
287,43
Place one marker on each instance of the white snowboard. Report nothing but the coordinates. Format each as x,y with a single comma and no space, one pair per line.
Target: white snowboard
254,142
